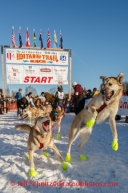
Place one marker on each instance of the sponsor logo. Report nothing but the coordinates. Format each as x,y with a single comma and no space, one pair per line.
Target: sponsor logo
10,55
45,70
62,58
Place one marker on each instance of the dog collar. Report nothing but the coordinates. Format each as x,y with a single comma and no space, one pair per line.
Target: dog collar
41,145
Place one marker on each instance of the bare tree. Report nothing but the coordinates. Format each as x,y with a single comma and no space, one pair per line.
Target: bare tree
125,86
13,94
52,91
7,92
30,89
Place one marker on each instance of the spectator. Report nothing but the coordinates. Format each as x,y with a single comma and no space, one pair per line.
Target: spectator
18,96
30,99
78,98
88,94
1,103
95,92
42,97
59,96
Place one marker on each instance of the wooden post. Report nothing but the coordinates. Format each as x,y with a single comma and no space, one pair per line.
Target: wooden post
70,75
3,78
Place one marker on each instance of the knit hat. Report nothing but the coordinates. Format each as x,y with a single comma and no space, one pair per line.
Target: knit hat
74,83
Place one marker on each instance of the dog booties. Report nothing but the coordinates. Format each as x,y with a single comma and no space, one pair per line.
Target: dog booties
90,122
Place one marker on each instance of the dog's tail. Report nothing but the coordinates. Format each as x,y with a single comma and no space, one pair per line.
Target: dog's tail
23,127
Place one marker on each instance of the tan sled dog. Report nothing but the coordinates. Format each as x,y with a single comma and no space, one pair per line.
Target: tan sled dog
106,104
33,112
40,137
56,115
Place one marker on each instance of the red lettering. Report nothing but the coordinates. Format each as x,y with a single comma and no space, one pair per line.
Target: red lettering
32,61
37,80
32,78
44,79
123,105
26,79
49,79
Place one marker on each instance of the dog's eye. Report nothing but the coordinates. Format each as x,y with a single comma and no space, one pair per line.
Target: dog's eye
110,84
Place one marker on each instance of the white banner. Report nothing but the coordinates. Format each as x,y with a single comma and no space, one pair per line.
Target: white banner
19,74
123,106
45,57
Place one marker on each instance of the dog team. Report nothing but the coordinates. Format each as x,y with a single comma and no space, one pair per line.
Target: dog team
104,105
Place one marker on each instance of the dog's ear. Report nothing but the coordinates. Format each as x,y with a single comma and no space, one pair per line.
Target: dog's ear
120,77
103,77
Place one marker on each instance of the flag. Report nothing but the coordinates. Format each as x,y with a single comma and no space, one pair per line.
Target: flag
61,41
13,37
41,40
20,38
48,39
55,44
34,38
27,39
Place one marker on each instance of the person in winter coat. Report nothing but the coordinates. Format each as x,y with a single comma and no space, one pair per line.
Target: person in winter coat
18,96
88,94
30,99
42,97
95,92
59,96
79,99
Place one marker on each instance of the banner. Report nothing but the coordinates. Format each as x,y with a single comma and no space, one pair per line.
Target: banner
31,74
123,106
27,56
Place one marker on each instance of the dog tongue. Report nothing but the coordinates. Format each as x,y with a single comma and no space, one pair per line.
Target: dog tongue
109,94
45,126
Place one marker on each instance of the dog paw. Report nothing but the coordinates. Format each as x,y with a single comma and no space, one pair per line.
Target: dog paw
27,157
68,158
83,157
46,154
64,166
32,173
115,145
58,136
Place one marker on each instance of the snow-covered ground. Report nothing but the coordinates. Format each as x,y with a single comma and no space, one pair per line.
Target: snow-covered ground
103,165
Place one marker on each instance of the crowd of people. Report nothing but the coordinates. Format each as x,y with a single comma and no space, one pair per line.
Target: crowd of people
77,100
80,96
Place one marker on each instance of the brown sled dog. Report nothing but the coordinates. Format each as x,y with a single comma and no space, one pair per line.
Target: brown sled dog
40,137
106,104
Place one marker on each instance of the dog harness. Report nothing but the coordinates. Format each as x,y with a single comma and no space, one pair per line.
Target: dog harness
100,109
41,144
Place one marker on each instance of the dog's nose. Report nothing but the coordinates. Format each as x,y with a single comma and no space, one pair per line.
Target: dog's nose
102,91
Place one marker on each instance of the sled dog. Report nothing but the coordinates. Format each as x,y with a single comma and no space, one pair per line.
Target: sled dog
40,137
104,105
56,115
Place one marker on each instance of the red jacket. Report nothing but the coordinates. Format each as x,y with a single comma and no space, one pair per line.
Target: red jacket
78,90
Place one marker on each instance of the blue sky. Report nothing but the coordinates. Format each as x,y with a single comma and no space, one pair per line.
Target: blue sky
95,30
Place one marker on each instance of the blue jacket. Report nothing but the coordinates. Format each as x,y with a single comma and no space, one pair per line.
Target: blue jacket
18,96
